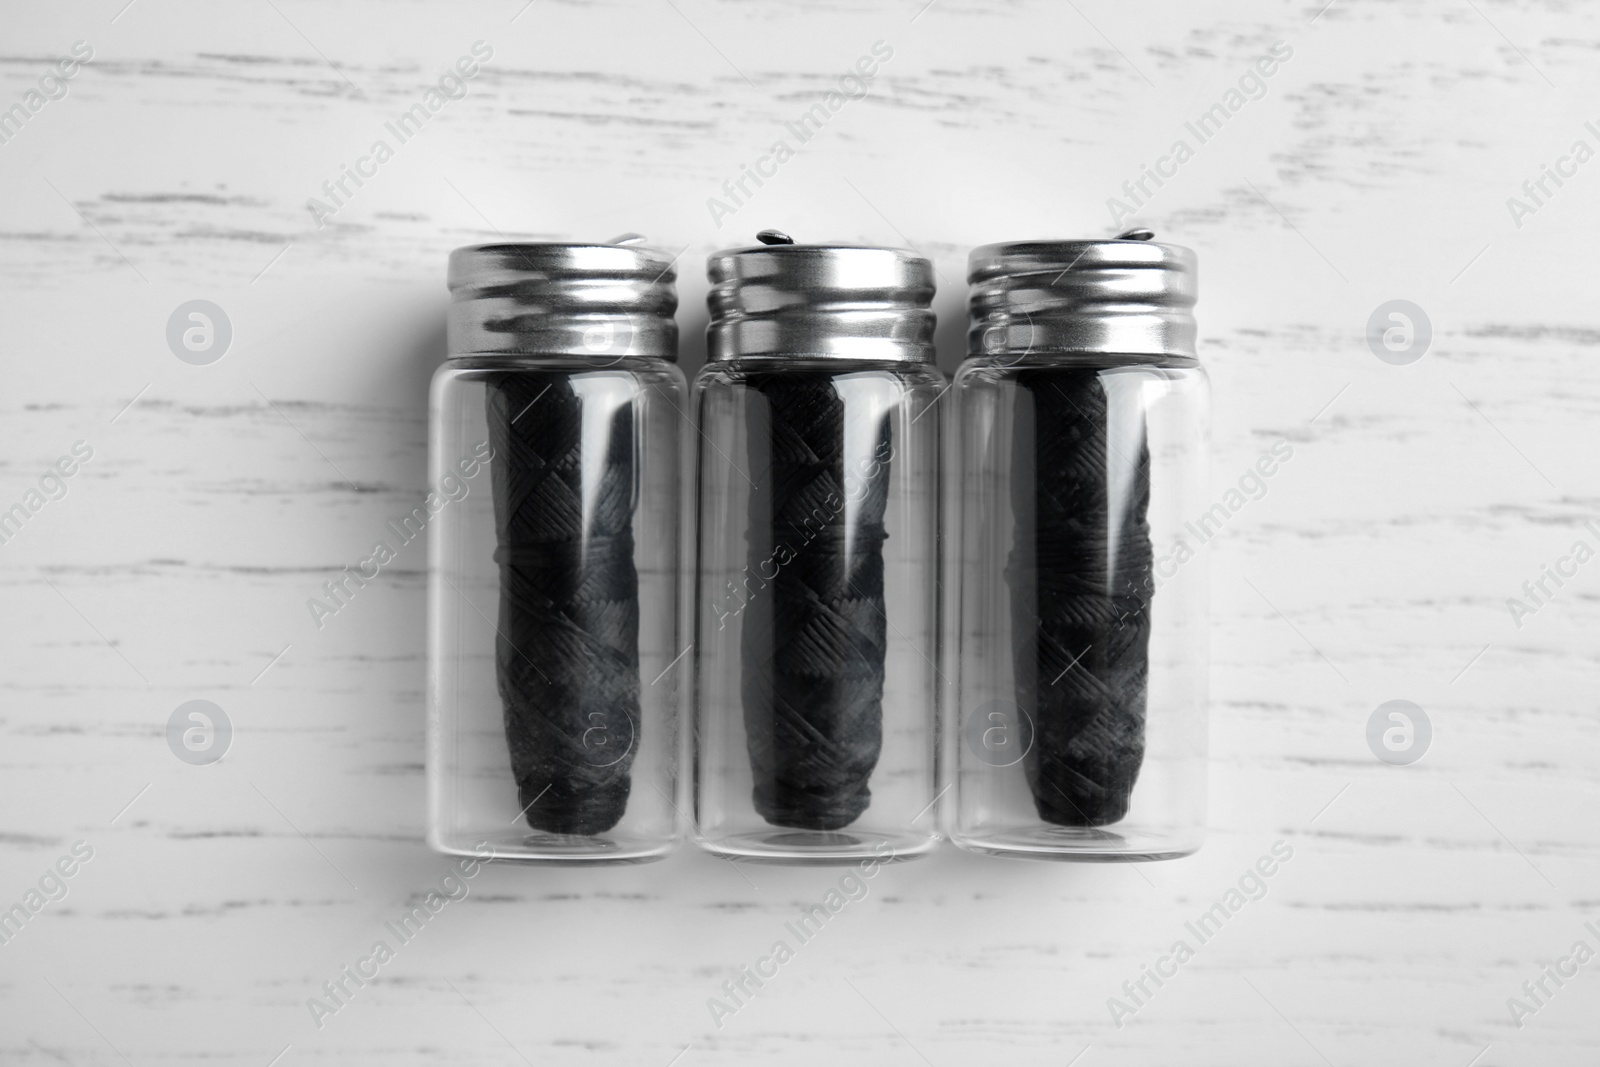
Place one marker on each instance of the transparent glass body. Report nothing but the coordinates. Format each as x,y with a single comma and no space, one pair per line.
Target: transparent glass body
554,617
1077,619
816,609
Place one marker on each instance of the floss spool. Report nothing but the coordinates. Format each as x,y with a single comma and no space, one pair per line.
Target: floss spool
816,601
1079,586
554,577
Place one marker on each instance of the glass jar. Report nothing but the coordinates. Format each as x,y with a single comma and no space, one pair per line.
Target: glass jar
816,611
1078,576
554,586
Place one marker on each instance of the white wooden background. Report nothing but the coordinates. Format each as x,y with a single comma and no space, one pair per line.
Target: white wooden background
1419,498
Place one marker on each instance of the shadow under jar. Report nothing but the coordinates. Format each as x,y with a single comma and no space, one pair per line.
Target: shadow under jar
554,557
816,604
1078,575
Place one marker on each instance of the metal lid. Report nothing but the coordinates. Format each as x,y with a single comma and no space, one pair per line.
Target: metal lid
1129,296
589,300
844,301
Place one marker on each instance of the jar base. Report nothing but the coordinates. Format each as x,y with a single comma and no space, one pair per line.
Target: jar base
559,850
1080,844
803,848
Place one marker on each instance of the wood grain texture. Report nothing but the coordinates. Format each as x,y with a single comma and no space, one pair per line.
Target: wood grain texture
1376,166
